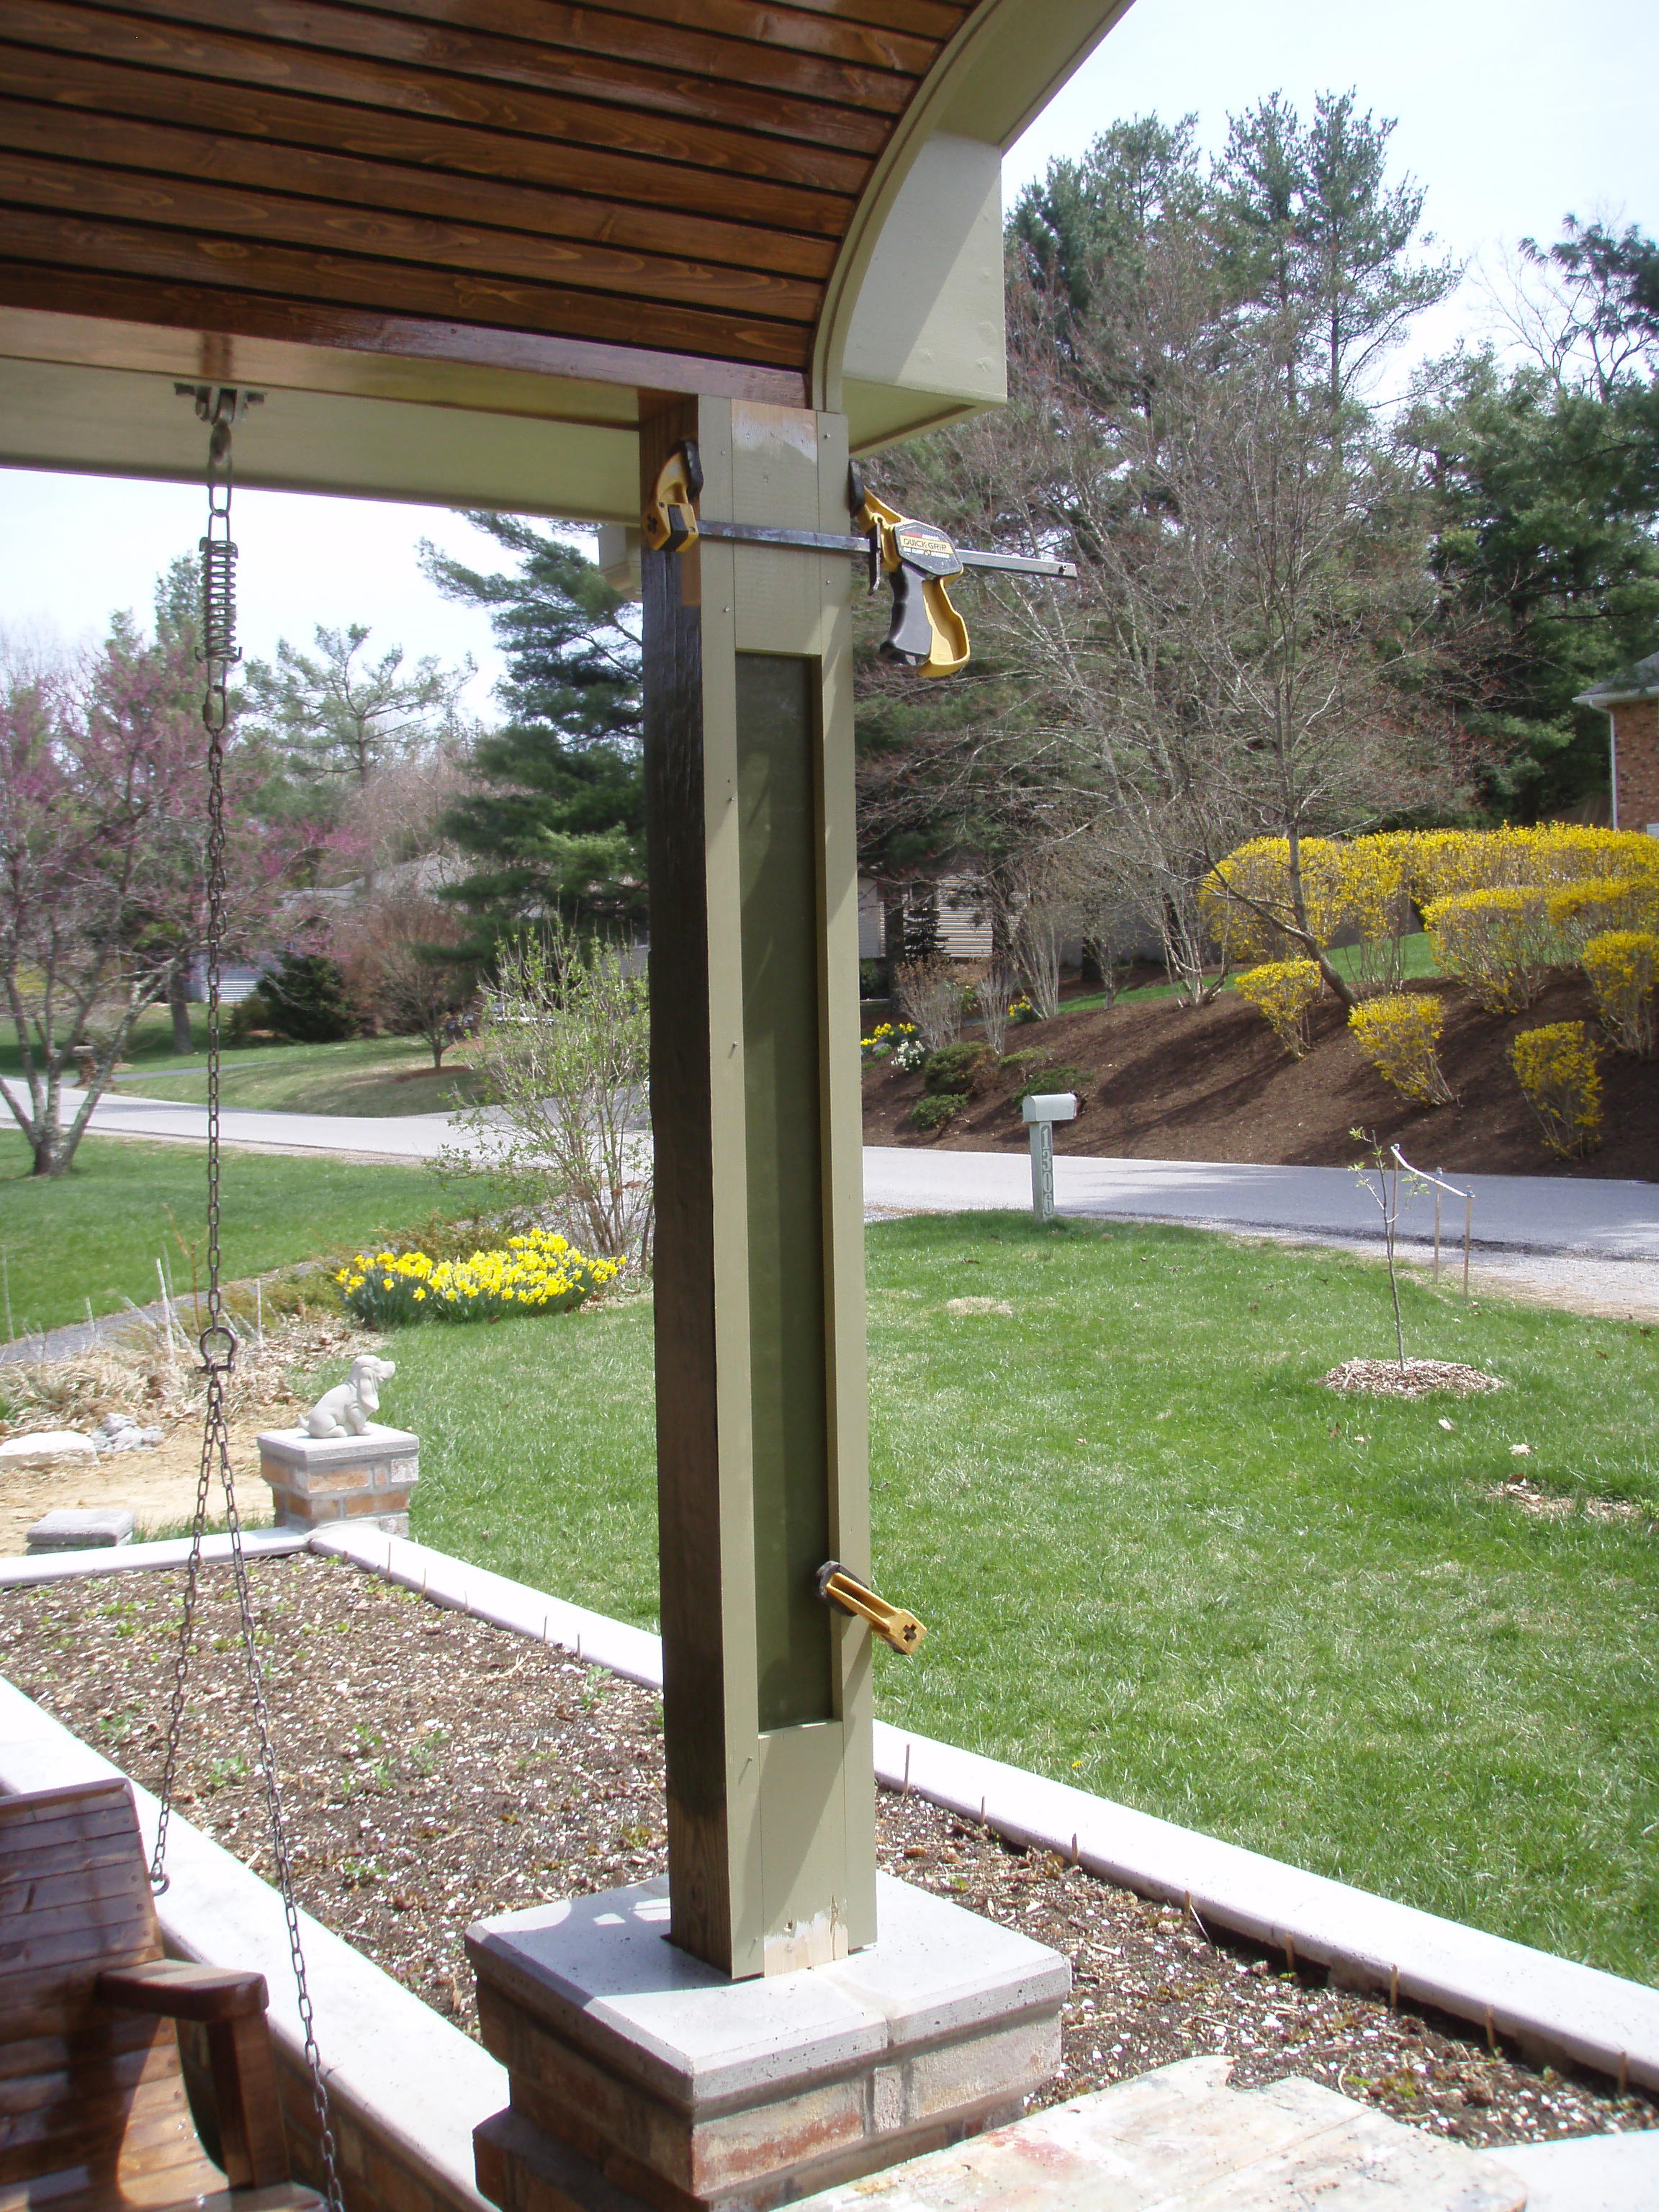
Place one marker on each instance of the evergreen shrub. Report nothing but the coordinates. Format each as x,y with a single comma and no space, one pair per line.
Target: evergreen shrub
309,998
1043,1081
959,1070
932,1111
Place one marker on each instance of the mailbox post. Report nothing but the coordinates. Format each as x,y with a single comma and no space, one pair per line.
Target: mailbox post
1043,1109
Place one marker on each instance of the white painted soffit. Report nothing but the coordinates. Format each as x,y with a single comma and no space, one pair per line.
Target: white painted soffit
912,330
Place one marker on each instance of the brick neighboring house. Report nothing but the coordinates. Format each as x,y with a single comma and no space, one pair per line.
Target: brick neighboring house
1630,700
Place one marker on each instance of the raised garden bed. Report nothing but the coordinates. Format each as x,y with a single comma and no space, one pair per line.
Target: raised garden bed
437,1769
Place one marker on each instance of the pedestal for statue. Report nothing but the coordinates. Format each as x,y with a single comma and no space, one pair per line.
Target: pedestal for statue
316,1481
640,2076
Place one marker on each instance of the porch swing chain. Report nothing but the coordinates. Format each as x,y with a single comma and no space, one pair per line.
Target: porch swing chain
220,408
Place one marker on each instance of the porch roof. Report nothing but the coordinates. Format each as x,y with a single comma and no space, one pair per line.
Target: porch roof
520,208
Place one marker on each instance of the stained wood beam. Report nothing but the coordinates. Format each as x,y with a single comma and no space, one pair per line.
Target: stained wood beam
87,240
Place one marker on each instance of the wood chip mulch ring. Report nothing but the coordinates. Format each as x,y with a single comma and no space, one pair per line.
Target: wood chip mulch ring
436,1771
1419,1378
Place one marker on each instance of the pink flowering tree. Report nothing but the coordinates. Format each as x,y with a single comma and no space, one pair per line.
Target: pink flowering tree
103,866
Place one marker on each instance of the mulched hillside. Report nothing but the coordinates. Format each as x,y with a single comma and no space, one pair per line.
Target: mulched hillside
1213,1084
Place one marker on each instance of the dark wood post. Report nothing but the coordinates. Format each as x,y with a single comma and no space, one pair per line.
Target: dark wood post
759,1292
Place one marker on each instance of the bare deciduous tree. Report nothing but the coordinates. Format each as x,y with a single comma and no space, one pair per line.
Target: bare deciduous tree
563,1053
405,963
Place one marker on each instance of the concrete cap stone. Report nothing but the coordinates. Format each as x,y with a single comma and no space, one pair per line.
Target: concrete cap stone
73,1529
937,1969
600,1972
294,1448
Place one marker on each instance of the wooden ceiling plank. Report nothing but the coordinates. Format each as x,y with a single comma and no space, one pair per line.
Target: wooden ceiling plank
309,164
926,19
93,243
440,146
775,65
400,40
106,299
123,193
660,145
802,26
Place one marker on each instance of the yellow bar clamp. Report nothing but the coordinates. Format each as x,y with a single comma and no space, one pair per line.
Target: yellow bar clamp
927,634
670,520
890,1622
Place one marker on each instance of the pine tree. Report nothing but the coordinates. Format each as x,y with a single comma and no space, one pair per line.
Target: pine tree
1544,479
558,825
1320,238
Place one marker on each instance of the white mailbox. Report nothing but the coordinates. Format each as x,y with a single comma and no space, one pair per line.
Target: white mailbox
1043,1109
1051,1106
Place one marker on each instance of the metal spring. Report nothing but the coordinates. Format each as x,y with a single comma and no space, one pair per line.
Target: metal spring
219,601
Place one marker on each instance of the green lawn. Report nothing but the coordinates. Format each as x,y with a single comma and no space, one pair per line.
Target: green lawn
1417,960
364,1075
150,1045
1158,1560
96,1232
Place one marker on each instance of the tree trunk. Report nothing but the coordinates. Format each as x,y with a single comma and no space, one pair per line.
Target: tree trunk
893,904
46,1140
178,1008
1336,984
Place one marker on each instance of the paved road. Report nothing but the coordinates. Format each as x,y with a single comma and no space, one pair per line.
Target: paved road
1602,1219
384,1137
1589,1216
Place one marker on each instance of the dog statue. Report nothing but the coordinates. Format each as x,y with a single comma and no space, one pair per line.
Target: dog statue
348,1408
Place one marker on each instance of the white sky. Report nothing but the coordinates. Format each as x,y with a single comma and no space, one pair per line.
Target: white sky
1511,112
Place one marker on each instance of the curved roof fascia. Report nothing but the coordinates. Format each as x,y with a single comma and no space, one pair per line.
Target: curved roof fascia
995,78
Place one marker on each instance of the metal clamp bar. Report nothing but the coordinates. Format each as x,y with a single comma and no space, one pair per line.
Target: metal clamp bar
761,533
1016,564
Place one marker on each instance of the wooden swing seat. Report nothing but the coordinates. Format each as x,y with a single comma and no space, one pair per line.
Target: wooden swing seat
94,2113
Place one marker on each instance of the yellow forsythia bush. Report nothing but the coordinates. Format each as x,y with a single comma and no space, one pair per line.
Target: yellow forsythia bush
1446,862
1581,880
1623,967
537,1274
1583,910
1284,991
1400,1034
1555,1067
1260,873
1498,942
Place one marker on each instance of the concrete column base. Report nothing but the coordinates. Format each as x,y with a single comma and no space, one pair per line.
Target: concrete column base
641,2077
316,1482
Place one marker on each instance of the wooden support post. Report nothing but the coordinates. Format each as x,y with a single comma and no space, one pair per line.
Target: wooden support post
761,1418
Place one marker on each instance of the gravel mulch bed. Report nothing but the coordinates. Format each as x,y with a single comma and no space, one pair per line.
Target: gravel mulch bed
436,1770
1418,1378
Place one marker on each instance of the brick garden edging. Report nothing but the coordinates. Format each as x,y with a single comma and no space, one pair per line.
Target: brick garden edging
1554,2008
